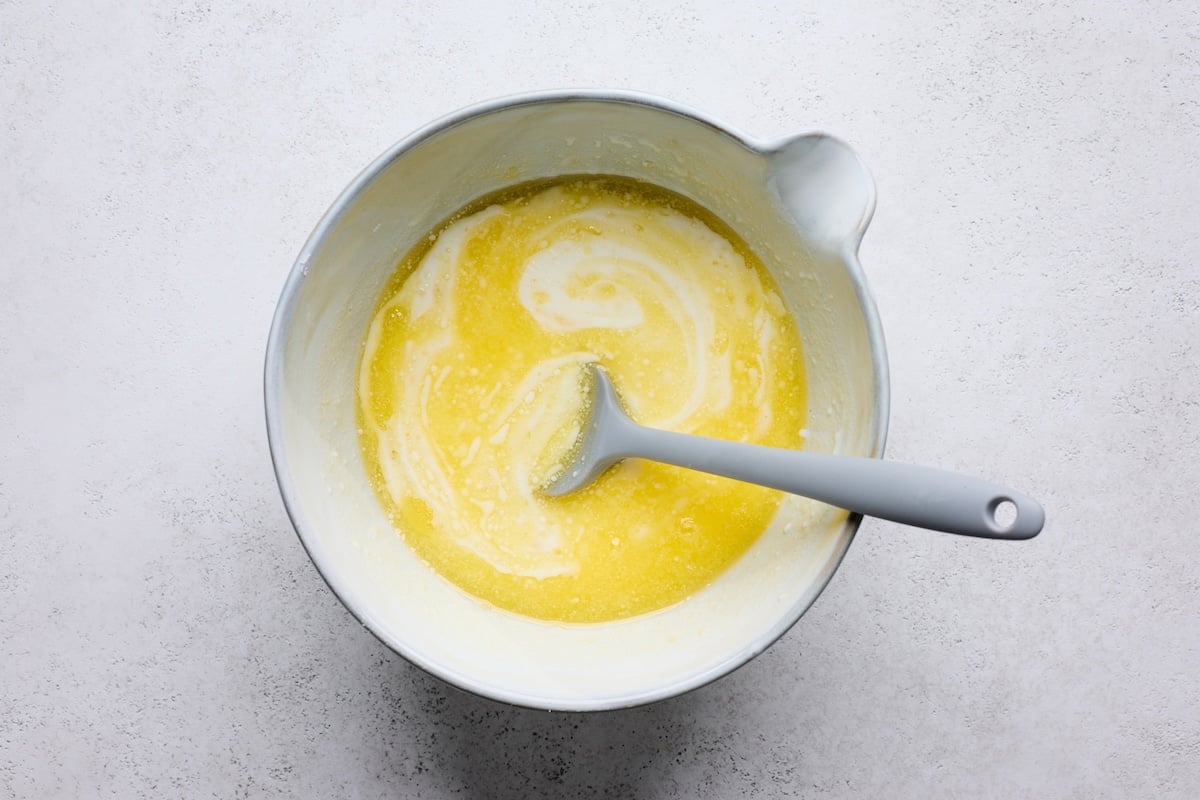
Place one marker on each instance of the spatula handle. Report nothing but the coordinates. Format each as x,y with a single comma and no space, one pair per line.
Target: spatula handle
906,493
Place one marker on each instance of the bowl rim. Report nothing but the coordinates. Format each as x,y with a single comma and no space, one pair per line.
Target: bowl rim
273,374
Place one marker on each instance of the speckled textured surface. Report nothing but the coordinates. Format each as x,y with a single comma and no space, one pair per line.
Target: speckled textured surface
1035,257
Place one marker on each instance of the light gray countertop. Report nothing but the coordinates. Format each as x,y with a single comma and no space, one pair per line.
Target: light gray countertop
1035,257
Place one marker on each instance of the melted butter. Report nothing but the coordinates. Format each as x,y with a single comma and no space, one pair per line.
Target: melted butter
472,393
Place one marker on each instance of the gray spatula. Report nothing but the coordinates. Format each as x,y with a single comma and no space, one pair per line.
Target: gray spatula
905,493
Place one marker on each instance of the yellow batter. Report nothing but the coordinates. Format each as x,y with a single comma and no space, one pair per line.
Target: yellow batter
472,391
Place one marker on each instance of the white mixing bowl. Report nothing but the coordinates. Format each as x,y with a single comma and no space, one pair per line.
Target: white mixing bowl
802,204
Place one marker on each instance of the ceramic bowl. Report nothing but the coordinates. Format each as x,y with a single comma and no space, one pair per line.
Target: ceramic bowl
802,203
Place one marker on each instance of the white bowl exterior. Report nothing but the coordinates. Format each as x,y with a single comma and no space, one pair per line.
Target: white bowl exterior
315,346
